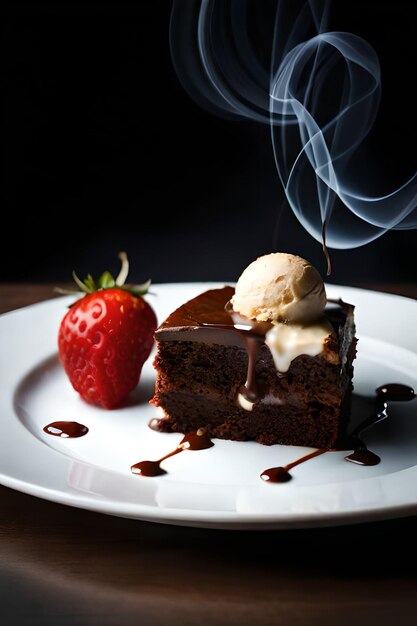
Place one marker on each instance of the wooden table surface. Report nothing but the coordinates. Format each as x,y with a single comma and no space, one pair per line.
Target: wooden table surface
64,566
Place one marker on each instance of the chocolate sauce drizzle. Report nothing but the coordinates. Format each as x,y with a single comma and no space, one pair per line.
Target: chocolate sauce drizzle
192,441
157,423
253,335
393,392
66,430
324,246
250,390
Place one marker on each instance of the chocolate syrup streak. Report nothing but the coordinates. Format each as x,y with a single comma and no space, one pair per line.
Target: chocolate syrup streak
324,246
156,423
192,441
393,392
250,390
66,430
254,339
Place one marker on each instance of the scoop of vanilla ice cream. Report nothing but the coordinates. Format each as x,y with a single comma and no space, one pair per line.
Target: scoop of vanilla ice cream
280,287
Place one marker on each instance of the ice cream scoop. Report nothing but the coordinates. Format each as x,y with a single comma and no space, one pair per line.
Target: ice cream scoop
280,287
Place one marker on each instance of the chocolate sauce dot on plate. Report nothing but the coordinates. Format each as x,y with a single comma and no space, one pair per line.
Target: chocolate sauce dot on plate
148,468
66,430
363,456
196,441
276,475
282,474
395,392
156,423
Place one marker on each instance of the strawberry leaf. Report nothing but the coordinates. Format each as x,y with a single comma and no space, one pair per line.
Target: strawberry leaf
80,284
90,283
106,281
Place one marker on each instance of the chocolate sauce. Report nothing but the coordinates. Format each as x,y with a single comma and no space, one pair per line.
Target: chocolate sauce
282,474
250,389
151,468
395,392
198,440
66,429
156,423
253,335
363,456
392,392
206,308
324,246
276,475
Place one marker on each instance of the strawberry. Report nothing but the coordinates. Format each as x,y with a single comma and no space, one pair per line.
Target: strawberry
106,337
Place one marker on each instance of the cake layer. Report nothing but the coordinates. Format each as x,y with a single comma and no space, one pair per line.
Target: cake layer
316,426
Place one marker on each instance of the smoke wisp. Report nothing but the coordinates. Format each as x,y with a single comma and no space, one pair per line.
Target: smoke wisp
318,91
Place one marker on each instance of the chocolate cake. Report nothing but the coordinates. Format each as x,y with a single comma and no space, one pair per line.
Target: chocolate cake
215,371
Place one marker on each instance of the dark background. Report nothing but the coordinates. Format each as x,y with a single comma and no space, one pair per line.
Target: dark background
99,139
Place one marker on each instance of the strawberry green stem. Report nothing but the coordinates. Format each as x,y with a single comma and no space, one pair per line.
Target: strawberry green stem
106,281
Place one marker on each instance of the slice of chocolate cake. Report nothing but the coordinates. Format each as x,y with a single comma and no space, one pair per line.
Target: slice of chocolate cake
230,375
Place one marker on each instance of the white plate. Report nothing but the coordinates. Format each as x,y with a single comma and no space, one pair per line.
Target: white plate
218,487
